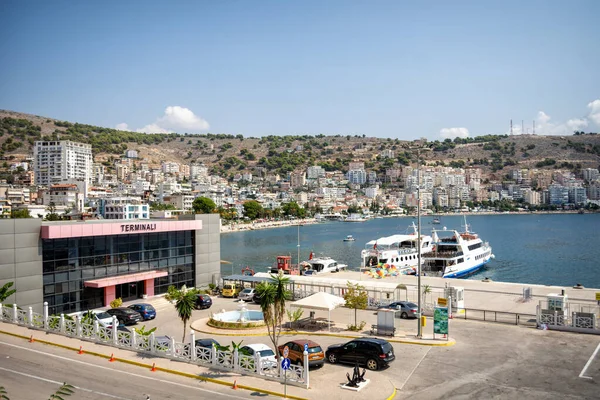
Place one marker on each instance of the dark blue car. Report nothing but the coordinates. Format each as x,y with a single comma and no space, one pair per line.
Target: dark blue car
146,310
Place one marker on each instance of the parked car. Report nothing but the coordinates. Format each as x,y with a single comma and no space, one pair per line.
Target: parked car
374,353
147,311
256,298
406,308
265,353
203,301
247,294
125,316
316,356
231,290
104,319
207,343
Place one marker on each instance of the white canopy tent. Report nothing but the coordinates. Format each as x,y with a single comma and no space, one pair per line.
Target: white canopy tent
321,301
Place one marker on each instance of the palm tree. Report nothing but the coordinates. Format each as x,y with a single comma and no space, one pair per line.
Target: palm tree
6,291
273,295
185,301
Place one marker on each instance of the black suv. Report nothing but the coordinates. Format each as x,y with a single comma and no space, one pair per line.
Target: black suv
372,352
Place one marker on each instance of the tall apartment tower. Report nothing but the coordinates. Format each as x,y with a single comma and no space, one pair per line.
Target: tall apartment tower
56,162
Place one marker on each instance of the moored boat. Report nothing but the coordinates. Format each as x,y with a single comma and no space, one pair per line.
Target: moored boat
456,254
397,251
349,238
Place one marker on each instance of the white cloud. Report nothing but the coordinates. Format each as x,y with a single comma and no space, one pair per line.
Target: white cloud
184,118
152,128
576,124
175,119
543,118
451,133
594,114
122,127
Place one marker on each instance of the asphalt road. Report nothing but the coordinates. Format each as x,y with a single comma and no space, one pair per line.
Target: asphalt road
489,360
32,374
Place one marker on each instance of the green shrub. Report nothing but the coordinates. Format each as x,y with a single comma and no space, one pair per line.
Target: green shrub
116,303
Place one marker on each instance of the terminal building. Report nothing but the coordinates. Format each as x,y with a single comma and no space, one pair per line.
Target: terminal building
80,265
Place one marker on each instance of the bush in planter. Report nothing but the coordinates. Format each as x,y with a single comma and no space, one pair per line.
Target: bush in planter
116,303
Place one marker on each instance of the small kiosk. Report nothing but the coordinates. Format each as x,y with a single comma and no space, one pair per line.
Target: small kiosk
458,298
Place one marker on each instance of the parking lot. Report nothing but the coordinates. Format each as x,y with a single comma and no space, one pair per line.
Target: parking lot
488,360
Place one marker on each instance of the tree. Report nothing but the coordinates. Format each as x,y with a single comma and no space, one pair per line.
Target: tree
356,297
6,291
252,209
52,215
203,205
273,295
185,301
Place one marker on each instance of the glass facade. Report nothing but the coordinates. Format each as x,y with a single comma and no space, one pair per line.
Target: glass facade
68,263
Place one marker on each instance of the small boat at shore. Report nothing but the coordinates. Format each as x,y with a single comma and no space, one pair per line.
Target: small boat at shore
349,238
456,254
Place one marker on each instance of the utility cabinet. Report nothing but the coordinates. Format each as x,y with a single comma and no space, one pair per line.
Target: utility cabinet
386,322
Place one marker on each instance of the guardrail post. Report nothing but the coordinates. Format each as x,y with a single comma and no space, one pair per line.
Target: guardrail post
213,355
78,326
62,324
1,312
152,343
236,360
133,339
172,347
306,367
45,314
114,331
30,316
96,330
15,314
484,315
193,345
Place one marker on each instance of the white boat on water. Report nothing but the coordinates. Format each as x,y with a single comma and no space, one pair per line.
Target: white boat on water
349,238
400,251
320,265
456,254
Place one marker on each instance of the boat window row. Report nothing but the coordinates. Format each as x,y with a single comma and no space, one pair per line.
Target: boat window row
475,246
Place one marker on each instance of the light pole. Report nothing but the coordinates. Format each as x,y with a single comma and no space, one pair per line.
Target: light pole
419,327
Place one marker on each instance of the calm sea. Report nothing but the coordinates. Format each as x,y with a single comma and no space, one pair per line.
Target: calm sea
548,249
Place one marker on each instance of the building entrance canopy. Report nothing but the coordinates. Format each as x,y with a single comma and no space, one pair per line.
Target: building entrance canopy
117,280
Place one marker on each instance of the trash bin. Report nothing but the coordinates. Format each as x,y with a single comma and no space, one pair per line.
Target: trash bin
423,321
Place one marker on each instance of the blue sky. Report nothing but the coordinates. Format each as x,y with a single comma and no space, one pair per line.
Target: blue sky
395,69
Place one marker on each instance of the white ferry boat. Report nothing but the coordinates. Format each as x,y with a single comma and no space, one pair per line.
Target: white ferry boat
456,254
400,251
355,218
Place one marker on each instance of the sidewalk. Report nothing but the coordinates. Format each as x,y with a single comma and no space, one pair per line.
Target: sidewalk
320,381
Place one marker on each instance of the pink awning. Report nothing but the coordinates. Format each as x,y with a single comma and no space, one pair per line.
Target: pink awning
117,280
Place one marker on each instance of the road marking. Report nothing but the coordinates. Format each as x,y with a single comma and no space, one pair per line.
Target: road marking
415,368
39,378
122,372
582,374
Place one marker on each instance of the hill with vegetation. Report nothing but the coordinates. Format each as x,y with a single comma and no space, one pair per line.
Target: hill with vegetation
227,155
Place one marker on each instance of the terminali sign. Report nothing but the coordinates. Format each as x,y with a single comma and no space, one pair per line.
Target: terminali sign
138,227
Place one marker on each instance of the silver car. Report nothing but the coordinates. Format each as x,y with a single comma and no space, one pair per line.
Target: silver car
247,294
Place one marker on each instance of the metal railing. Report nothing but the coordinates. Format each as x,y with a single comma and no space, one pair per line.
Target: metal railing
503,317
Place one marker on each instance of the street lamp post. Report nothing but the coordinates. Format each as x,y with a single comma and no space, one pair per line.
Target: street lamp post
419,327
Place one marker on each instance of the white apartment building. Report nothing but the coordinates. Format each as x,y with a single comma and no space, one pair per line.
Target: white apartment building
131,154
315,172
298,179
590,174
198,171
531,196
372,192
170,167
387,153
123,208
67,195
98,171
180,201
357,176
58,161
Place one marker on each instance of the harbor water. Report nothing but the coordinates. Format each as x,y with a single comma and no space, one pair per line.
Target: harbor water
546,249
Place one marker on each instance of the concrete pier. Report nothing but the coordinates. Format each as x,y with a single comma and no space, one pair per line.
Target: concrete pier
494,296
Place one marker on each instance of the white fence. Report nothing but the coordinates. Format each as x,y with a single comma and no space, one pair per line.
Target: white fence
231,361
574,317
